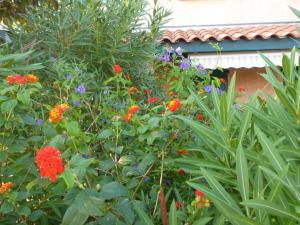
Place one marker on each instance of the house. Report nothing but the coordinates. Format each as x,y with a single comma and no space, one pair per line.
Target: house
242,28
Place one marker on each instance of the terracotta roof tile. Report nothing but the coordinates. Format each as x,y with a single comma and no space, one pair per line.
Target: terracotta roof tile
233,33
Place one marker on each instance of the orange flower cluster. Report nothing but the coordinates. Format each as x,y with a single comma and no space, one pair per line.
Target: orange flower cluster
21,80
133,90
57,113
174,105
49,162
182,152
131,111
201,201
5,187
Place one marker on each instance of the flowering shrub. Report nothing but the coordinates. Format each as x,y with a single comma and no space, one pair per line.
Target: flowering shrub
76,152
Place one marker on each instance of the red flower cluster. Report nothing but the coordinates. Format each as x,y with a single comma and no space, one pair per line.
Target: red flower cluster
181,172
5,187
131,111
117,68
57,113
174,105
152,100
179,204
200,117
49,162
199,193
21,80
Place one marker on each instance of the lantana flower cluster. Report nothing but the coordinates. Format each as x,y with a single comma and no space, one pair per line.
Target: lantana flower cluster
4,188
201,201
131,112
49,162
21,80
56,114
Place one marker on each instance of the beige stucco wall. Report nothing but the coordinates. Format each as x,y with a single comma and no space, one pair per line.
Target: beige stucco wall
251,80
204,12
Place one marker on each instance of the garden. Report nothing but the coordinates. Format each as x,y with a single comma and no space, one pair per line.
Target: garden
101,125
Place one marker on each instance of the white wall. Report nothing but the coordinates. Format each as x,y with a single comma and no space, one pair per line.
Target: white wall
204,12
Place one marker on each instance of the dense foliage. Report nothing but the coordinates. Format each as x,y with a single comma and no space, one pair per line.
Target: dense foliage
98,33
11,10
95,128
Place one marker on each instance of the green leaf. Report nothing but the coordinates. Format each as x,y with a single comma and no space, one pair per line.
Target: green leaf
242,174
78,162
270,151
113,190
73,129
202,221
6,207
74,217
173,214
205,132
105,134
3,156
143,216
24,211
217,191
87,203
272,208
24,97
68,178
57,141
284,100
8,105
231,92
233,216
154,122
35,215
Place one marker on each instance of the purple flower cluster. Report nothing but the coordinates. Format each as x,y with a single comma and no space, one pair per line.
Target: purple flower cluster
80,89
77,103
179,51
39,122
69,77
201,68
185,64
208,89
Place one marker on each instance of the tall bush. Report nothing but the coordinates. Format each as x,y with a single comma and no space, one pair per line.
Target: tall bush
97,33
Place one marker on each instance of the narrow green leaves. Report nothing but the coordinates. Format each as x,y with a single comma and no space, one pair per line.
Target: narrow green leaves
272,208
270,151
173,214
142,215
242,174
